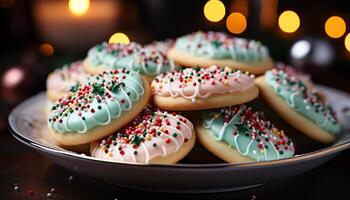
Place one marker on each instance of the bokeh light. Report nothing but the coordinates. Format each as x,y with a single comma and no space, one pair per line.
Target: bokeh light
119,38
268,13
214,10
300,49
78,7
347,42
13,76
236,23
47,49
335,27
289,21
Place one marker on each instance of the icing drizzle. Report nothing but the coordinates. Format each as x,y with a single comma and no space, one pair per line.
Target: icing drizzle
103,98
132,56
151,134
222,46
200,83
248,132
300,96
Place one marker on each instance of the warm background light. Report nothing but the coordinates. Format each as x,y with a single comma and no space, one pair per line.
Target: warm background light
119,38
335,27
289,21
240,6
78,7
46,49
268,13
347,42
13,76
236,23
7,3
214,10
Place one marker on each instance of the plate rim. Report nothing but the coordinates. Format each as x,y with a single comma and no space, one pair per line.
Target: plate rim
297,158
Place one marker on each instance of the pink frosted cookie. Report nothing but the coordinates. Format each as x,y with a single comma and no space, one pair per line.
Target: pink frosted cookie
154,136
203,88
62,79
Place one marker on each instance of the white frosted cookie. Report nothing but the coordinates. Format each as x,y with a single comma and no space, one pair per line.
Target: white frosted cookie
63,78
202,88
154,136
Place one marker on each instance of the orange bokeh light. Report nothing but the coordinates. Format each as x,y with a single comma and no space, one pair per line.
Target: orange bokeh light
236,23
47,49
335,27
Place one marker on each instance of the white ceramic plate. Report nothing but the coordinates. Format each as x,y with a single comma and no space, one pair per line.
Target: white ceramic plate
28,125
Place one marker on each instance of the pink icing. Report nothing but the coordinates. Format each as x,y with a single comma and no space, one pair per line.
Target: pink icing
122,149
192,83
61,79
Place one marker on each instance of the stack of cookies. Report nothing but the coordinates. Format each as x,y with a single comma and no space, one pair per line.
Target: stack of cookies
149,104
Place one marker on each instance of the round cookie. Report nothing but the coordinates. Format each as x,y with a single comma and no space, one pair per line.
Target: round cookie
61,79
154,136
305,78
300,106
241,134
202,88
108,56
162,46
92,111
214,48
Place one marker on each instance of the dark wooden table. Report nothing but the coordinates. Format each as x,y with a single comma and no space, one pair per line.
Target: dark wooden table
35,176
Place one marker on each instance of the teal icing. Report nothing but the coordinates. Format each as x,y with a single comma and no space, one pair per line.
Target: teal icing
113,56
237,127
104,98
303,100
218,45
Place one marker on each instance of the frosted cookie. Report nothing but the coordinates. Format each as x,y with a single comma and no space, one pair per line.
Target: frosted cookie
108,56
299,105
61,79
300,76
214,48
154,136
92,111
242,134
202,88
162,46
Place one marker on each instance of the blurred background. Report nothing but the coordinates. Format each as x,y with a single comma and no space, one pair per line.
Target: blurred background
37,36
